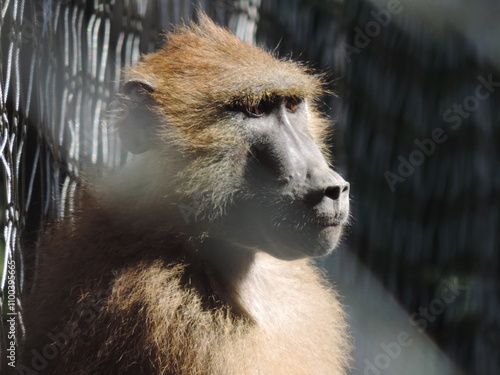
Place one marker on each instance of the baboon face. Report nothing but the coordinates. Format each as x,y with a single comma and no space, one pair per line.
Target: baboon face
294,205
250,141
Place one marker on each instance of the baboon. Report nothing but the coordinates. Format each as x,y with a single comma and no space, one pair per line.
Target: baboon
195,258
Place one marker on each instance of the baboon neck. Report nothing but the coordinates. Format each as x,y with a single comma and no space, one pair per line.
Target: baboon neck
264,288
229,260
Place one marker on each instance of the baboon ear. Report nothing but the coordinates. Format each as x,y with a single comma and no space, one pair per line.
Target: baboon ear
138,90
137,119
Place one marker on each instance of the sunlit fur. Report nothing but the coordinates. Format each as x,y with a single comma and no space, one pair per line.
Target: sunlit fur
125,276
225,70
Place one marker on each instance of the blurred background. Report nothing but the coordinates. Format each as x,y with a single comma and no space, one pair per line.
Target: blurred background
416,132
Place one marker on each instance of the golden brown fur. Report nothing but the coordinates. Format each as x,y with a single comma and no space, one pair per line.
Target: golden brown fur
126,286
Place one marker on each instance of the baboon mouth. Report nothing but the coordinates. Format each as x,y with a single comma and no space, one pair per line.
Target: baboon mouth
317,222
328,222
314,237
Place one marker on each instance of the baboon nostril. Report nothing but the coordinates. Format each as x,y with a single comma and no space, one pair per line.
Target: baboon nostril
345,188
333,192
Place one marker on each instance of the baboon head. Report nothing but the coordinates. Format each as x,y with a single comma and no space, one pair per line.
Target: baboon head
240,145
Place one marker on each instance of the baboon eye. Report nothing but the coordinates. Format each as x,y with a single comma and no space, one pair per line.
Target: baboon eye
291,103
265,106
256,110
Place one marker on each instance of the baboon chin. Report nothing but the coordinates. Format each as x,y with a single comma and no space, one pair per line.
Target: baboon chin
194,259
292,231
